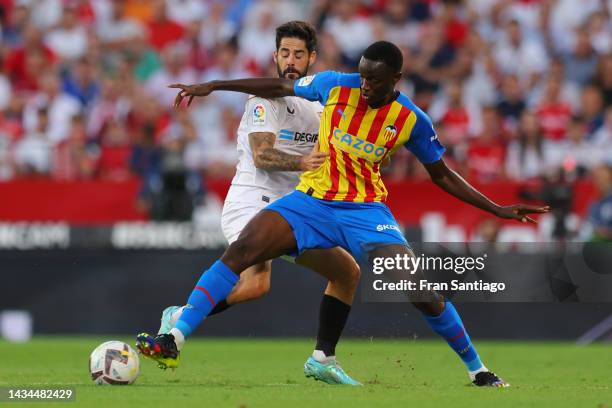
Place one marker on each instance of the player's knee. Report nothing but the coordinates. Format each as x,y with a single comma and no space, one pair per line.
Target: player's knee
353,275
429,303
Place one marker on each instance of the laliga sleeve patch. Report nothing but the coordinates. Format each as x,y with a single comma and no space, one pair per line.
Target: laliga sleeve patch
259,115
305,81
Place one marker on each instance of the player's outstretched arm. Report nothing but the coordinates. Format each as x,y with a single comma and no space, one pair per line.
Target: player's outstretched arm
454,184
262,87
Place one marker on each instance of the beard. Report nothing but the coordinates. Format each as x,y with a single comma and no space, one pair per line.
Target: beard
291,72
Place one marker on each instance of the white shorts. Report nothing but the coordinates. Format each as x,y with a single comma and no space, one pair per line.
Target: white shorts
236,216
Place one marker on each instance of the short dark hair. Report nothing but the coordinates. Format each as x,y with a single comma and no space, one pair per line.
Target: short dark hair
386,52
297,29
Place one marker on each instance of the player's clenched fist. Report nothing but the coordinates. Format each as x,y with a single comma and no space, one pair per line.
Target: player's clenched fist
313,160
191,91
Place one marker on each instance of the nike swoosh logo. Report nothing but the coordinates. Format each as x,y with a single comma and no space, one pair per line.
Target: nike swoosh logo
291,112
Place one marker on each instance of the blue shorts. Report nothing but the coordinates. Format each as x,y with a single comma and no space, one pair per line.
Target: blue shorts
356,227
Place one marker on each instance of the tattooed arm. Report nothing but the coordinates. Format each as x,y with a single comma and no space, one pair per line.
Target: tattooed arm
266,157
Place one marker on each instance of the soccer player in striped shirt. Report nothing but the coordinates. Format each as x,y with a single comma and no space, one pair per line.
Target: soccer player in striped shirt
364,121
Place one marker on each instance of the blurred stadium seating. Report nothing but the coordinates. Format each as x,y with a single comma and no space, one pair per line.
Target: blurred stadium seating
520,92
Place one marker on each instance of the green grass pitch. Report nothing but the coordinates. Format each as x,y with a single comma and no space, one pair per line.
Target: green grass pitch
268,373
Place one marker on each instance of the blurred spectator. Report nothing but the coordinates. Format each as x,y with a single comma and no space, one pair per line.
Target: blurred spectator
115,151
553,112
163,31
145,161
45,13
174,70
565,17
82,83
577,150
33,151
604,78
15,25
113,106
186,11
61,107
600,32
258,37
394,25
520,56
215,28
486,154
600,212
530,155
603,136
512,102
119,31
26,62
569,91
74,158
459,120
352,32
581,62
592,109
227,66
69,39
215,147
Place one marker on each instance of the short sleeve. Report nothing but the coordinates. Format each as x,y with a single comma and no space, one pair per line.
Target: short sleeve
262,116
423,141
316,87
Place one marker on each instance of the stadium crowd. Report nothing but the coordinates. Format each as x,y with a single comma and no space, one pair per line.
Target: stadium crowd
517,89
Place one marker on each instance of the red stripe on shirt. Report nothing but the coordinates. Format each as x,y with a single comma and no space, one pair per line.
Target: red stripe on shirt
334,173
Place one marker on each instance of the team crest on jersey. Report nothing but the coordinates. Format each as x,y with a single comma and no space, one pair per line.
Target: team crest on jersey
390,132
259,115
305,81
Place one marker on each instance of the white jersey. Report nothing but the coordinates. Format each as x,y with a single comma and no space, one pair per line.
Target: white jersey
295,122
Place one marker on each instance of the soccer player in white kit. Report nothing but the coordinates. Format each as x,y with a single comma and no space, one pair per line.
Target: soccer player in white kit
276,141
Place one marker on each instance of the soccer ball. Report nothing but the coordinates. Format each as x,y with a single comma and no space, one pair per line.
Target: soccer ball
114,363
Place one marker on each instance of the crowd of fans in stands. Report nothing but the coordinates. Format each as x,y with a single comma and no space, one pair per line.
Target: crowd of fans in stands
517,89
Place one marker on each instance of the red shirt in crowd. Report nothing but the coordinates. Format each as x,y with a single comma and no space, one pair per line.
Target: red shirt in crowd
485,160
456,123
114,163
554,119
163,33
24,77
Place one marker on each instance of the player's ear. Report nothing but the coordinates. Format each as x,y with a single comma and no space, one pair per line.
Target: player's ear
275,57
312,58
396,77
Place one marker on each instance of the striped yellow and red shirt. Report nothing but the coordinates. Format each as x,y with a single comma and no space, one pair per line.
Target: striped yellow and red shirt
358,138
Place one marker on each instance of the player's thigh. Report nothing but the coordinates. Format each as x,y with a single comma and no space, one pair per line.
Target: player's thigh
335,264
266,236
368,228
235,216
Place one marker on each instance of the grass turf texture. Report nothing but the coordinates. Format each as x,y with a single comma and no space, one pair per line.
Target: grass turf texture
268,373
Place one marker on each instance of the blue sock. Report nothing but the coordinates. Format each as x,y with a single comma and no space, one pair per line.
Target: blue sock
449,325
214,285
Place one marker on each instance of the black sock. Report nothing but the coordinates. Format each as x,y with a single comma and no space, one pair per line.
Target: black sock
332,319
219,307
